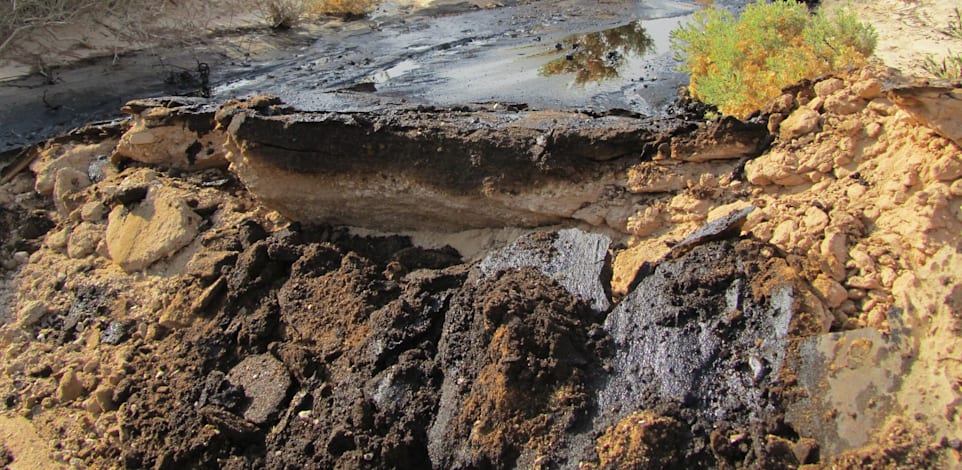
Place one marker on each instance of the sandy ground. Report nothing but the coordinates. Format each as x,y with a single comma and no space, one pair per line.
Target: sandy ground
129,28
909,30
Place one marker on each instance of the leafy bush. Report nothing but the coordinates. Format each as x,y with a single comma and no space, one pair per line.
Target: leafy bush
740,64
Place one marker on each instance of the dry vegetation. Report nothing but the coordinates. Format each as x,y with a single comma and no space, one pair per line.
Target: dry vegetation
19,17
283,14
22,15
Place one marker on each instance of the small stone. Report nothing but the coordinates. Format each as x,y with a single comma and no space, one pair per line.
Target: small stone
775,120
92,406
784,233
207,264
207,297
825,88
830,290
105,398
68,183
152,230
93,211
21,258
265,381
815,219
57,241
645,222
84,239
32,312
117,332
869,282
868,89
956,188
70,387
844,103
805,450
799,123
834,251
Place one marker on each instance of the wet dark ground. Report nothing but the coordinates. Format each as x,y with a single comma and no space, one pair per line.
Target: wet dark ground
550,55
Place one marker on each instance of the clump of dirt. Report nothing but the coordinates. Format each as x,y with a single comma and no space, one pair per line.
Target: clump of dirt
523,357
640,440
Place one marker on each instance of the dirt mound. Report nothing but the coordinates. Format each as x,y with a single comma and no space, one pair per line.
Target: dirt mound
159,316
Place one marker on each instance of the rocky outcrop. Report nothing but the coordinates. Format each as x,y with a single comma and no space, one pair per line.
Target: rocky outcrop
437,169
175,131
934,106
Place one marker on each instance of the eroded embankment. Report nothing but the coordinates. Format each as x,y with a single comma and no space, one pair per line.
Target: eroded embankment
161,314
424,168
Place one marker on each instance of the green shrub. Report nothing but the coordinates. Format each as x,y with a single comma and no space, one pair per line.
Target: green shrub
740,64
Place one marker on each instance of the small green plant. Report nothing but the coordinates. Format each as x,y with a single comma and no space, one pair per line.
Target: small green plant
954,29
950,67
740,64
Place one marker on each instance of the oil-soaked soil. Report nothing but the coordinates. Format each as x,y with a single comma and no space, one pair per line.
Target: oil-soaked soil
335,351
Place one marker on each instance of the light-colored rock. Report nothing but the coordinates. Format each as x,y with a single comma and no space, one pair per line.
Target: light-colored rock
776,167
69,182
685,207
84,239
815,219
834,251
159,136
830,290
867,282
868,89
93,211
785,233
70,387
645,222
935,107
154,229
31,313
75,156
57,241
801,122
825,88
844,103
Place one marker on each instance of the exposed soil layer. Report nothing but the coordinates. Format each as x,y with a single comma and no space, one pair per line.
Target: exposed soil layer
157,314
